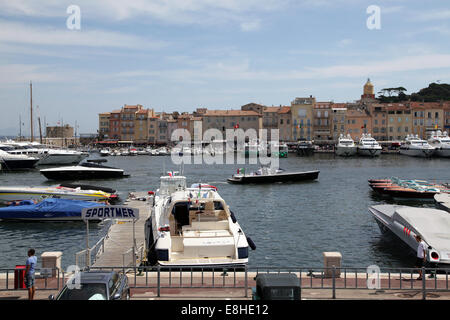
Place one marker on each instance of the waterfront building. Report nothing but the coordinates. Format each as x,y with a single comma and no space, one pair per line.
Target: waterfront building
172,125
231,119
358,122
427,117
103,125
322,122
302,118
141,126
379,121
65,131
399,121
284,124
338,120
259,108
114,125
270,119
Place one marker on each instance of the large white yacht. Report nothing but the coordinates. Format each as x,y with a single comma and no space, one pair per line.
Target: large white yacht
46,155
441,141
346,146
368,146
416,147
193,227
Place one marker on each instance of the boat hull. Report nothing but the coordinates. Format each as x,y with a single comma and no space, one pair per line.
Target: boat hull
345,151
82,174
368,152
8,164
423,153
282,177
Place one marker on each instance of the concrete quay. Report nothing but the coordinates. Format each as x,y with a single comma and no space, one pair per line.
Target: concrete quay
187,286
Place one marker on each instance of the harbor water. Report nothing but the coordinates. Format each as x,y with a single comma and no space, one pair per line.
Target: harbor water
290,223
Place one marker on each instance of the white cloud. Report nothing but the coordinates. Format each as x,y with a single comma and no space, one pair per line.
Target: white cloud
251,25
173,12
15,32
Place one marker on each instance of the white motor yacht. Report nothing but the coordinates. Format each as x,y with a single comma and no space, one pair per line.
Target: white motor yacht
346,146
46,155
368,146
416,147
16,161
193,227
441,142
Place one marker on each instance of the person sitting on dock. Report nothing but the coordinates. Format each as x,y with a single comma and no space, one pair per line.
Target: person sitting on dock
421,255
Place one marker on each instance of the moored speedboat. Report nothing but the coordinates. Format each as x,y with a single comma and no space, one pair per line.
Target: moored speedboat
83,171
47,210
268,175
11,194
416,147
405,222
368,146
346,146
193,227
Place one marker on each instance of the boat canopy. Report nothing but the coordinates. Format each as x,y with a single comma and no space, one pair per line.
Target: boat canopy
432,224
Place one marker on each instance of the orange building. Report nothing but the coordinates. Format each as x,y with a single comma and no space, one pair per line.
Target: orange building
359,121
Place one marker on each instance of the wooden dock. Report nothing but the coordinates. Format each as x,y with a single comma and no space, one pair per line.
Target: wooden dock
118,244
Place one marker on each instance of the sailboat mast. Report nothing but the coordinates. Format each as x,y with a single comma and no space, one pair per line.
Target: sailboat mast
31,111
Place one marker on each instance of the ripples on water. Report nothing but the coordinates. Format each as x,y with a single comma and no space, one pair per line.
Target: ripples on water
290,223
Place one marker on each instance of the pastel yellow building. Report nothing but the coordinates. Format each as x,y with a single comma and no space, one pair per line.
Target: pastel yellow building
302,118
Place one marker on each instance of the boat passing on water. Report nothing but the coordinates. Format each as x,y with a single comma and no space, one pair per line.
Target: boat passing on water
346,146
405,222
11,194
368,146
268,175
416,147
86,170
51,209
193,227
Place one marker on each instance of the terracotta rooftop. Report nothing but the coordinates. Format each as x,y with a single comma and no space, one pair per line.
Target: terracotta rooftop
230,113
284,109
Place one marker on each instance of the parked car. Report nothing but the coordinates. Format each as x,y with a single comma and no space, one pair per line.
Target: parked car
96,285
283,286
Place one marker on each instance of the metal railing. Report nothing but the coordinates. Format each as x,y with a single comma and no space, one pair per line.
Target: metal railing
81,257
160,278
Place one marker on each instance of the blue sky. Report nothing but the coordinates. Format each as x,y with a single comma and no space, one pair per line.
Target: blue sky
182,54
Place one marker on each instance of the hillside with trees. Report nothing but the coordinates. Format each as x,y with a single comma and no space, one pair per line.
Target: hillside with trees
435,92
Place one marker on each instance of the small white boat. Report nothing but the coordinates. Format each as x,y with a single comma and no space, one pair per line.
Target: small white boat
193,227
368,146
346,146
416,147
105,152
441,142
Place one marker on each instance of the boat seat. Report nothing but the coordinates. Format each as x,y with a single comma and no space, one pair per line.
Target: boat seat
209,247
207,225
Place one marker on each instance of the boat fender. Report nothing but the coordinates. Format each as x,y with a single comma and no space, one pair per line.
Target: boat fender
251,243
233,217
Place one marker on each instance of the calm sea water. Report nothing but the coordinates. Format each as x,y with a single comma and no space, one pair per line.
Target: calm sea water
290,223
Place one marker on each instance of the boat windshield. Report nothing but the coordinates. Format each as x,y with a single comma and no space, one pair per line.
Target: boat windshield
346,142
87,291
170,184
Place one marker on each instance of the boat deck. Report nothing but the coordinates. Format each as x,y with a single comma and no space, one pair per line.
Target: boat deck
120,236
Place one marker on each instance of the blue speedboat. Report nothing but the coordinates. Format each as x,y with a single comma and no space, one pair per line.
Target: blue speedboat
51,209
